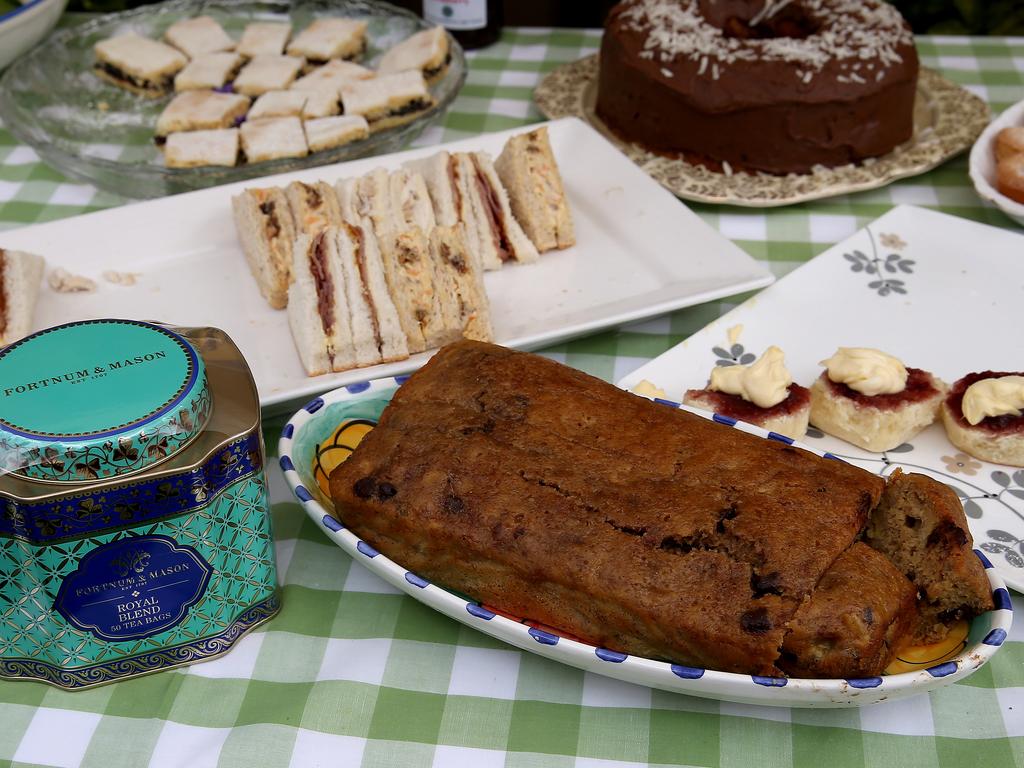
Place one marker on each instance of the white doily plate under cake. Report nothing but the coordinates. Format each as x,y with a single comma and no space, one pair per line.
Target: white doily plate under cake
947,120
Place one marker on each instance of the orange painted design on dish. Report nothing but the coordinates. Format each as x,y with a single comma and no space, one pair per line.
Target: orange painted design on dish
338,447
915,657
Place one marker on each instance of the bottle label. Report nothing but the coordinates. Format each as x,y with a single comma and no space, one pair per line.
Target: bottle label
456,14
133,587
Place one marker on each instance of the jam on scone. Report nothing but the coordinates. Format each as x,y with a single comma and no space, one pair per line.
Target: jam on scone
983,416
869,398
762,393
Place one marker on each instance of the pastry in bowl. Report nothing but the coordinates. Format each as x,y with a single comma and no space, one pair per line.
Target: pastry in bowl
869,398
1010,177
1009,142
982,416
762,393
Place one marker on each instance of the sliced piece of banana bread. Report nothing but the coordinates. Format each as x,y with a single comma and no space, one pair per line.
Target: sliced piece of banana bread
854,620
920,524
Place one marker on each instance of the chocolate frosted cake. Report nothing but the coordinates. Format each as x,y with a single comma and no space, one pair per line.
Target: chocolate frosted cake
767,85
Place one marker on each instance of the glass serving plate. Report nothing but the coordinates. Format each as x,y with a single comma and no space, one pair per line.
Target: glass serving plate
94,131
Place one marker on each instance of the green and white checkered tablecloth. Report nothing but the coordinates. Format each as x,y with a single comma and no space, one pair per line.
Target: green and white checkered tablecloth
353,673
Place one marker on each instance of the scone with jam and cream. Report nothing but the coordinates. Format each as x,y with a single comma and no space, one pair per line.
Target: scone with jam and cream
871,399
762,393
983,416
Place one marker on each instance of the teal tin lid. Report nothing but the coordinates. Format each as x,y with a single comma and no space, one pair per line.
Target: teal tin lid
98,399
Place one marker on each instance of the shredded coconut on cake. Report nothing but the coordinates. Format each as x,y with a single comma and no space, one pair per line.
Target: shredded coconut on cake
847,30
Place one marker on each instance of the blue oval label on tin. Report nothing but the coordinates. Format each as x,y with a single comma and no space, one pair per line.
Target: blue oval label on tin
133,588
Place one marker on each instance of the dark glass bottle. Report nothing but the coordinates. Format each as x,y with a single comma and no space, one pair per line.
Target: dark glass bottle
474,23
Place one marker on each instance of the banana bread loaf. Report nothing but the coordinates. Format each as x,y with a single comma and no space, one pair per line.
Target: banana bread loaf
645,529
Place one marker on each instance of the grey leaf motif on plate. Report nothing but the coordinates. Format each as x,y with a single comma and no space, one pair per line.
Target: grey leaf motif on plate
885,287
736,354
877,265
958,491
858,261
1003,544
1002,536
972,509
894,263
1012,557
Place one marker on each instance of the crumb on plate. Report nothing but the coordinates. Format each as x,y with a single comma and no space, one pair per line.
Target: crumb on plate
120,278
63,281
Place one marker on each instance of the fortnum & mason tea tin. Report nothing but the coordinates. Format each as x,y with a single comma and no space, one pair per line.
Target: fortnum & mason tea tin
134,524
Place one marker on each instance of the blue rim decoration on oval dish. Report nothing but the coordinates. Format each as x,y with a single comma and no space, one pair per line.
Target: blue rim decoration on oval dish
709,683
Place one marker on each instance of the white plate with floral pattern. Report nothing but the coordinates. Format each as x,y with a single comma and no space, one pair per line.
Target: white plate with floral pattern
939,292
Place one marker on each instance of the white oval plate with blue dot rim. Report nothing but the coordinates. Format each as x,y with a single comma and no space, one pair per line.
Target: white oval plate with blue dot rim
317,421
939,292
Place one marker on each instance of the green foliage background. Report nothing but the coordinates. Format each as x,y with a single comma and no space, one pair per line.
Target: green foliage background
970,17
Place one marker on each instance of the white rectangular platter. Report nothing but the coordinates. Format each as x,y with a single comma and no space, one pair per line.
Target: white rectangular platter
639,252
939,292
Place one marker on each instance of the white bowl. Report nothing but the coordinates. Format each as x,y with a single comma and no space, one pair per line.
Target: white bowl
25,26
983,163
